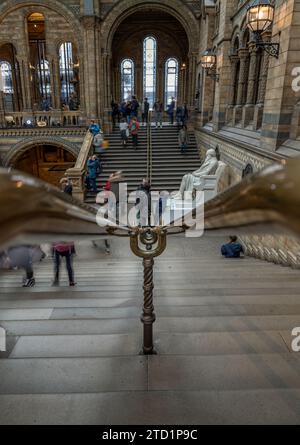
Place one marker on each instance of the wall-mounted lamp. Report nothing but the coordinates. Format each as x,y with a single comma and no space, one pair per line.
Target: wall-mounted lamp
260,15
209,63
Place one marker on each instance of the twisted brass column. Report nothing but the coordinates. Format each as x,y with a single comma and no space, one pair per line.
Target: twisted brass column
154,241
148,316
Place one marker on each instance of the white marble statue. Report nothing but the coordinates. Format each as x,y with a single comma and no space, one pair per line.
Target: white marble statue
195,180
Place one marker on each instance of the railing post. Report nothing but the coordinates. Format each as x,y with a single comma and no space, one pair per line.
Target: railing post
148,316
154,241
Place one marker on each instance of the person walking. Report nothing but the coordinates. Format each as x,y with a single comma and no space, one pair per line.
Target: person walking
63,250
94,128
124,132
128,111
158,113
94,168
179,116
143,201
134,107
115,113
23,257
145,111
185,114
183,139
170,111
134,129
123,109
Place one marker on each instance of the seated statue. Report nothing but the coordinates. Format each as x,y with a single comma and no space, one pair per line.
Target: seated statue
195,180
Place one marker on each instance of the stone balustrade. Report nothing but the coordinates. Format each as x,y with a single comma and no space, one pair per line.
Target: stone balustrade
76,175
283,250
54,118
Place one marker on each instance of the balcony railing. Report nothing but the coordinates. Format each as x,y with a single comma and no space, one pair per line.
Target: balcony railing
41,119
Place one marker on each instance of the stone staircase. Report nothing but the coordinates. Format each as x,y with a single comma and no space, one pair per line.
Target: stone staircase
223,336
169,165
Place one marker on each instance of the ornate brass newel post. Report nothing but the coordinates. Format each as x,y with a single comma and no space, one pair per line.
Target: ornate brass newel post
148,243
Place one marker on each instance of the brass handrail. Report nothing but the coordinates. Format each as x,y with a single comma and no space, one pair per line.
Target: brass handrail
33,211
270,197
149,147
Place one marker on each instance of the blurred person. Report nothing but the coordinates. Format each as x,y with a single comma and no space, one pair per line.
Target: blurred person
145,111
94,128
63,250
158,113
134,129
170,110
94,169
124,132
183,139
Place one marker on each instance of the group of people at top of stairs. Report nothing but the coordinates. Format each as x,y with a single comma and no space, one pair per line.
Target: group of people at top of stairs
131,114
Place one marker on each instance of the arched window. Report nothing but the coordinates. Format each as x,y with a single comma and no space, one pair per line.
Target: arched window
66,69
43,73
150,50
171,80
127,79
6,79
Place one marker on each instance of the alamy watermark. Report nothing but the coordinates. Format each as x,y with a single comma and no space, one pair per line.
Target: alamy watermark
141,209
296,341
2,340
296,80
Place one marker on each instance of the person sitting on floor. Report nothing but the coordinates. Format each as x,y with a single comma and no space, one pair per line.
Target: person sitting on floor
233,249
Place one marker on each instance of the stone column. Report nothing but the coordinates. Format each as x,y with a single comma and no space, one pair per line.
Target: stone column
26,82
243,78
262,85
192,79
220,89
2,111
106,70
248,112
55,79
234,59
280,96
91,59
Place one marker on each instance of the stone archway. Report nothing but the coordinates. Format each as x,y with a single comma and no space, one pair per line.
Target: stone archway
45,158
55,6
173,7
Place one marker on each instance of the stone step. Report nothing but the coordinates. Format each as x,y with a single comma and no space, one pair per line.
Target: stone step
84,300
213,407
169,325
134,312
195,344
137,373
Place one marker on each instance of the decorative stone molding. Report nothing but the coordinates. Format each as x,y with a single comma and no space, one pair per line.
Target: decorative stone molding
232,154
42,132
282,249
